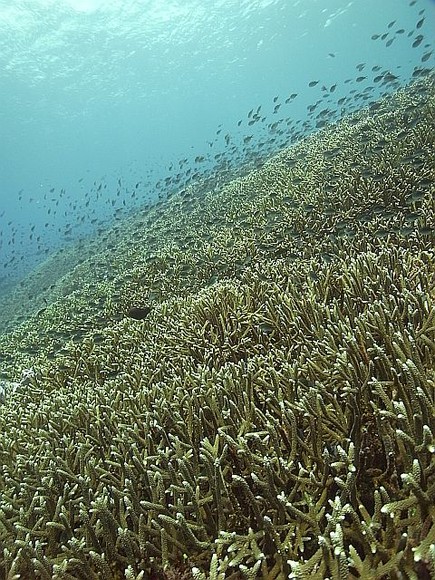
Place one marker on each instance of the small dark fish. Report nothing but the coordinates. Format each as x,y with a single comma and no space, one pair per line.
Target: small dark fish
418,40
313,83
420,72
389,77
331,153
138,313
417,195
291,97
419,23
381,234
266,328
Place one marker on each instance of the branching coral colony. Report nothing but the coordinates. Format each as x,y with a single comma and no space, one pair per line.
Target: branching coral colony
273,416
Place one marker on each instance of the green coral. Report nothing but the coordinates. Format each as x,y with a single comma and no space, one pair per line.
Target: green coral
273,416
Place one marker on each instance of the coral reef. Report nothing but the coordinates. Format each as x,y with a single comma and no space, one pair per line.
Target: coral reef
273,415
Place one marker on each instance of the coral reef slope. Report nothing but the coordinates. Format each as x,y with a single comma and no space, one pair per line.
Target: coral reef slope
273,415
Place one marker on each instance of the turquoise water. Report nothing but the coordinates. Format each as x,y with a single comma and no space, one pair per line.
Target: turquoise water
106,106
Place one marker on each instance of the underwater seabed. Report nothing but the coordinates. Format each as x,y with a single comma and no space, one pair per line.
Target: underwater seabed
273,415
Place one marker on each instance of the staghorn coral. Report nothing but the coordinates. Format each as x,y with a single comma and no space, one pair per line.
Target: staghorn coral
273,416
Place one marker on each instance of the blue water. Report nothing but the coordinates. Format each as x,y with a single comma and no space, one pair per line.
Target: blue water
101,101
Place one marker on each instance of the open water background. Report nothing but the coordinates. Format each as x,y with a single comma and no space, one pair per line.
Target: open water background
105,106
